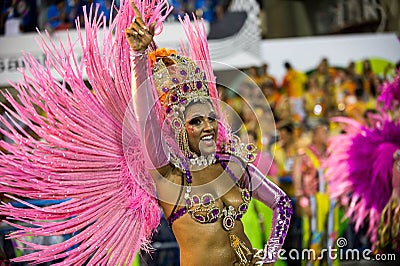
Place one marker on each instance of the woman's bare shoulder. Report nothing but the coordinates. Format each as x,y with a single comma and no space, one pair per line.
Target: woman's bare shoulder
234,163
167,173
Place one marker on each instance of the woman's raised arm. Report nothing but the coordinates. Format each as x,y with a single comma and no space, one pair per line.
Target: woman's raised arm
143,92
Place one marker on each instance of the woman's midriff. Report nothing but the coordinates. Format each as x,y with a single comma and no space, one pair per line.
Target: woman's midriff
207,244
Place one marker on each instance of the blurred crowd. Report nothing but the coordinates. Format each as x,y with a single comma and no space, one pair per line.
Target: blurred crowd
19,16
302,105
287,119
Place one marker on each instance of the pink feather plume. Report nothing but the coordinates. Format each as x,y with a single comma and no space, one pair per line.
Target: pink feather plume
79,156
360,168
198,51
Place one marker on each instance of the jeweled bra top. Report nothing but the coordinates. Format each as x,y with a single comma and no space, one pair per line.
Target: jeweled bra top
204,210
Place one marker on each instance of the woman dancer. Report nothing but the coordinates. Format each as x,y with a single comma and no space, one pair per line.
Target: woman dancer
203,176
208,207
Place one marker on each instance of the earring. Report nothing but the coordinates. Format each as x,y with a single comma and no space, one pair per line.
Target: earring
183,142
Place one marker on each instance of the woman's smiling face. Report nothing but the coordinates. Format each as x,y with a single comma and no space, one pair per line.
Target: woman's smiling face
202,128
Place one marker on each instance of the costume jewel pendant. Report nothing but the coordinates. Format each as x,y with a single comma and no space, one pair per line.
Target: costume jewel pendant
228,222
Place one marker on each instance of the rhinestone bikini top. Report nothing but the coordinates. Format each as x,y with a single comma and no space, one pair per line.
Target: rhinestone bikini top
203,210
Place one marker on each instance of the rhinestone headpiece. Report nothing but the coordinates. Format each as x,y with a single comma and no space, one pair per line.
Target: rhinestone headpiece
178,81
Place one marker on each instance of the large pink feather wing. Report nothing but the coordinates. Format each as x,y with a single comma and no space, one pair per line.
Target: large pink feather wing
78,155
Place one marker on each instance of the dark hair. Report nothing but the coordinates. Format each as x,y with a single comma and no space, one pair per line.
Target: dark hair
288,126
253,133
359,92
287,65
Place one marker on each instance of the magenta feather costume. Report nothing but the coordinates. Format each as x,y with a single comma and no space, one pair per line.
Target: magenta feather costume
360,169
89,151
79,155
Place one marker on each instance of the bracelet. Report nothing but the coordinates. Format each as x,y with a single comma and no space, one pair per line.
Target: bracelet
134,54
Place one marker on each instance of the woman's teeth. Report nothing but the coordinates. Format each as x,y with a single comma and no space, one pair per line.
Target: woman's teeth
209,137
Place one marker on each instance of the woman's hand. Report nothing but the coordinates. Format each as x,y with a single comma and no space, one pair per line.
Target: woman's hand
137,34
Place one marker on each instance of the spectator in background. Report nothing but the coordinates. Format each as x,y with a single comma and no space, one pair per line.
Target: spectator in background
250,122
57,18
254,94
364,96
313,201
269,86
18,16
74,9
324,75
271,93
42,6
353,80
253,75
105,7
281,107
179,8
293,84
230,105
206,9
265,77
29,15
316,103
220,8
390,71
346,84
285,152
369,80
9,23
